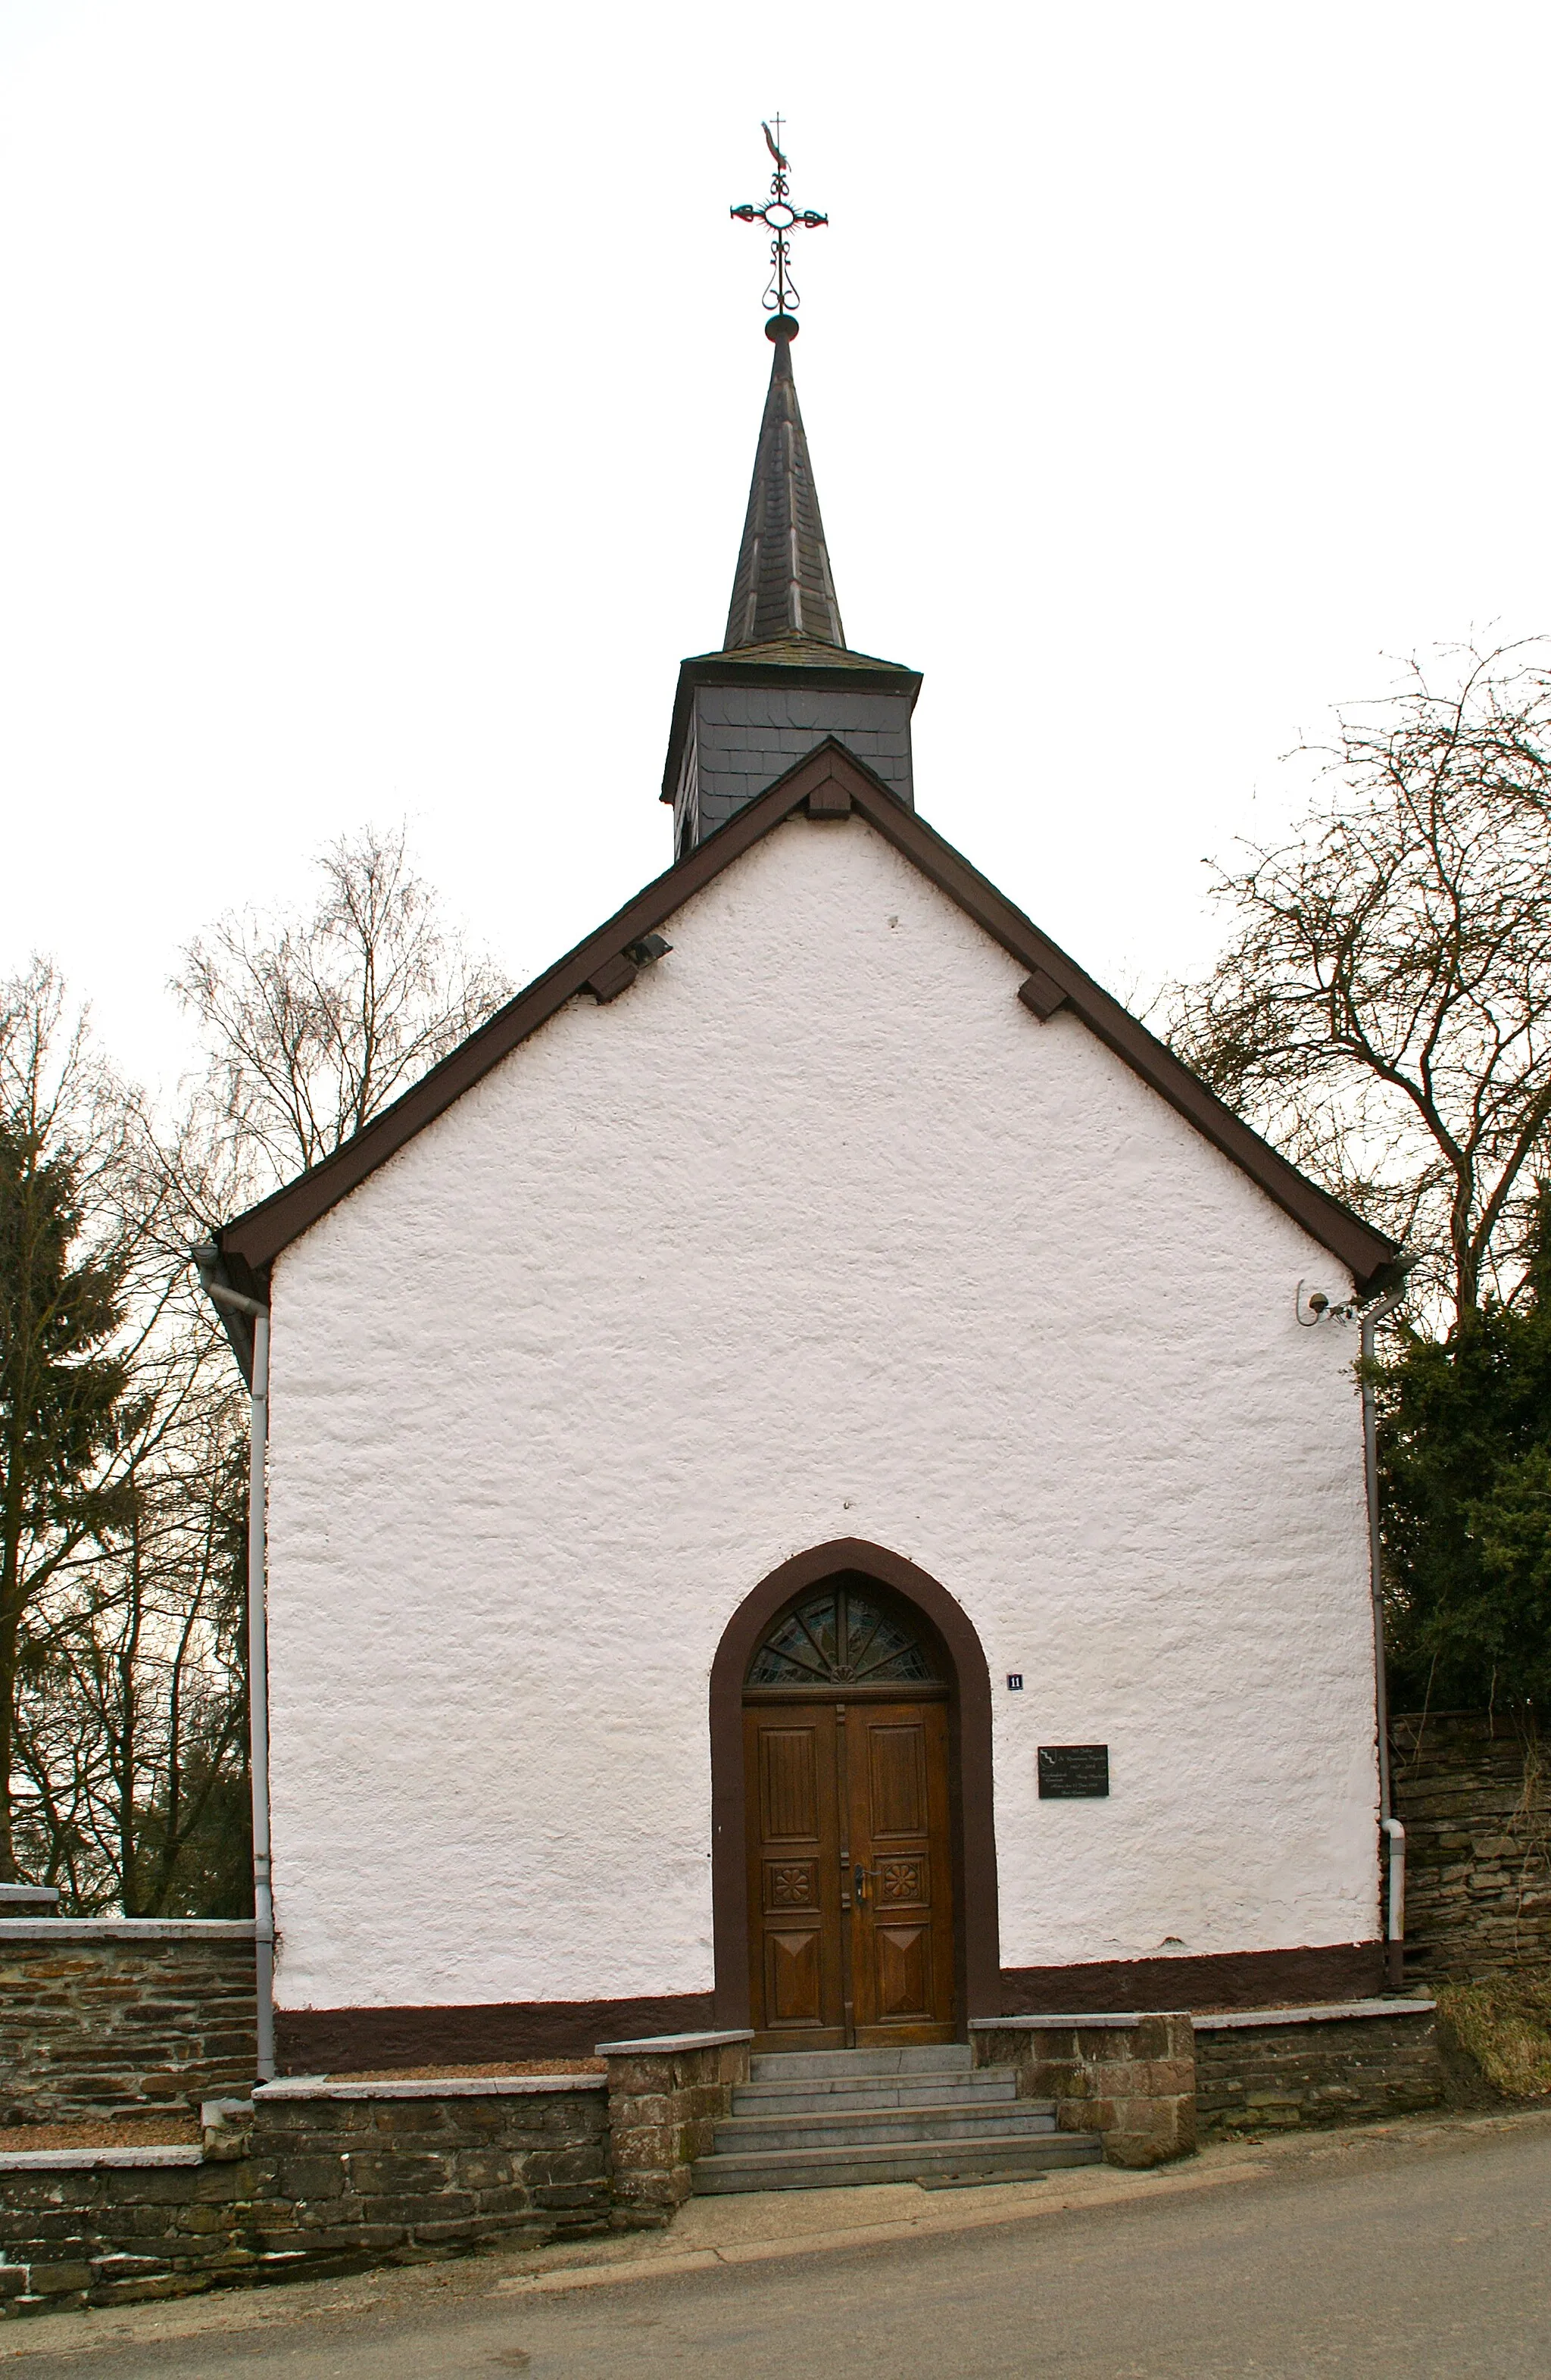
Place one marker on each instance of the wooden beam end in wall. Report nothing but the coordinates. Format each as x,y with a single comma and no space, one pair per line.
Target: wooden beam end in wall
829,800
614,975
1043,995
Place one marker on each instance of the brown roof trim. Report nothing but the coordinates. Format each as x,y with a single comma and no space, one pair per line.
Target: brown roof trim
256,1238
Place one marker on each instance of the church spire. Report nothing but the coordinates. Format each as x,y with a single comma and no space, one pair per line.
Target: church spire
782,591
785,679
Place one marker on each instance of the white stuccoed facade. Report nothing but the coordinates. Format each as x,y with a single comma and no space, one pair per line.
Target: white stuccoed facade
816,1233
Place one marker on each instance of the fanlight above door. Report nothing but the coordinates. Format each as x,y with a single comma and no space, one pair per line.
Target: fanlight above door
839,1636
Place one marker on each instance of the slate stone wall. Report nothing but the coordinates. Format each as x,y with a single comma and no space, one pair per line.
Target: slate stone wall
316,2184
109,2016
1260,2078
1474,1798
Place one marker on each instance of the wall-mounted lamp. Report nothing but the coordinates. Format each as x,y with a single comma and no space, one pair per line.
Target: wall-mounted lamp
1312,1306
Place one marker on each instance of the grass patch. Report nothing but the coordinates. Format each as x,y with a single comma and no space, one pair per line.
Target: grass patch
1505,2025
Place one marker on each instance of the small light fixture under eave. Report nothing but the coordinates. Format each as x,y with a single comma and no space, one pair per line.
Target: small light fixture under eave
649,949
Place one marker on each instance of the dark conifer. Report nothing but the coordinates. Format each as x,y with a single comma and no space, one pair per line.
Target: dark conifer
61,1391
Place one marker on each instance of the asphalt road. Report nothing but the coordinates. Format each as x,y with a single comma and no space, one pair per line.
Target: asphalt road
1428,2257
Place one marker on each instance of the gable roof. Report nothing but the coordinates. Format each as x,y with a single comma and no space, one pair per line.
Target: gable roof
828,783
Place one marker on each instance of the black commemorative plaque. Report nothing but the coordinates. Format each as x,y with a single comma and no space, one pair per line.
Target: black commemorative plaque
1073,1772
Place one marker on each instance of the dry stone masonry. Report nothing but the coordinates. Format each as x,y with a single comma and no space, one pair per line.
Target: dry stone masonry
1475,1796
1261,2070
104,2017
313,2176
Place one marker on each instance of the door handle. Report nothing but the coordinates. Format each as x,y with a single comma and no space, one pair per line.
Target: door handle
859,1885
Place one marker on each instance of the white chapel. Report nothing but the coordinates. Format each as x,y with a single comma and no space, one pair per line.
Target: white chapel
798,1497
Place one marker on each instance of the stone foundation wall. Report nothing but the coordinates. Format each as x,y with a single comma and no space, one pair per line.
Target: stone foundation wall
314,2179
120,2016
665,2100
1290,2066
1475,1801
1132,2078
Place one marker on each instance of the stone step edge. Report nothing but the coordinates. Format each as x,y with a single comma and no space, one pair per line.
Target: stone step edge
917,2058
955,2078
1042,2110
862,2103
1070,2144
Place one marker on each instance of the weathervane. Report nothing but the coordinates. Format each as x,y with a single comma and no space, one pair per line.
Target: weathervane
781,218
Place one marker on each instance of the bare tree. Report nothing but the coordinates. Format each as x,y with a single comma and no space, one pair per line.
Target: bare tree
131,1763
1383,1011
316,1022
96,1371
123,1493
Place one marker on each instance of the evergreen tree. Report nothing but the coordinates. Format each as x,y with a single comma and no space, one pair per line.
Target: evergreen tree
1465,1456
61,1388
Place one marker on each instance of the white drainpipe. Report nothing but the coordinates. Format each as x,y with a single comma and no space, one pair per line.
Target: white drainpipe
1390,1826
258,1667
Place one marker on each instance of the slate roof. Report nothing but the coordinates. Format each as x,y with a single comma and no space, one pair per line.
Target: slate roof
783,589
826,784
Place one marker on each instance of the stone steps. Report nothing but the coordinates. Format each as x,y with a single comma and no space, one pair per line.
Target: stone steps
825,2120
993,2086
994,2157
848,2065
851,2128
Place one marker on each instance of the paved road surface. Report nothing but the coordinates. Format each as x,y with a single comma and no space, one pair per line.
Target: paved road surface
1426,2256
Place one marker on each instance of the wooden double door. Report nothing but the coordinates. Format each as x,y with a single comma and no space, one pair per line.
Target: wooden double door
850,1883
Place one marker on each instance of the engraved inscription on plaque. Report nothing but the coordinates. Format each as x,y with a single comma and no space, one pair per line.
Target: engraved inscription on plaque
1073,1772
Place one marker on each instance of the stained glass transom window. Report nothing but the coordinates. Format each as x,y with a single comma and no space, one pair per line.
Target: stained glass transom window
838,1636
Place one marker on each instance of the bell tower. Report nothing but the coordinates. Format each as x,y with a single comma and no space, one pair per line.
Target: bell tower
785,677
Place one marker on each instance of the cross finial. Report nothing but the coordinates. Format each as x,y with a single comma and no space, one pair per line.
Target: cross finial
781,218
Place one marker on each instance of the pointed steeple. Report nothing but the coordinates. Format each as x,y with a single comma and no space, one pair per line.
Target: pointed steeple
784,591
786,678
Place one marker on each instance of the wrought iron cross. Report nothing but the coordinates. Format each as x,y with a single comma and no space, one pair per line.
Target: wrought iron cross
781,218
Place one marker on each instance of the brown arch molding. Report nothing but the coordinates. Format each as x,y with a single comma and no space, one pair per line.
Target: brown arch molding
976,1936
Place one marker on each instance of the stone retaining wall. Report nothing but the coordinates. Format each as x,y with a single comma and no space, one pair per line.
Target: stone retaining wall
119,2016
1130,2078
317,2175
314,2178
1264,2069
666,2097
1474,1798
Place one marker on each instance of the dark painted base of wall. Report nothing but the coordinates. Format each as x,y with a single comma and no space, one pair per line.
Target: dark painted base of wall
1234,1979
359,2040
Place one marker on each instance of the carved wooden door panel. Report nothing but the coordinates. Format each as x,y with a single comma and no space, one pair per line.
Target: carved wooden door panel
902,1933
796,1985
850,1867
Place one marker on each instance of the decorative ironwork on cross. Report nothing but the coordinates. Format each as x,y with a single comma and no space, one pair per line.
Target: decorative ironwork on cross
781,218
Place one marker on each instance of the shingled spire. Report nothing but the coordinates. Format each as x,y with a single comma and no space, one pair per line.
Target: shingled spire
784,591
786,678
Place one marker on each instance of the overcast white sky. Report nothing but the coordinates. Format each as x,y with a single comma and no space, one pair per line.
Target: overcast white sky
380,382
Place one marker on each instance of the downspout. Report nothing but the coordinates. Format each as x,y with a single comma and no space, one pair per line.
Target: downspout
1390,1826
258,1653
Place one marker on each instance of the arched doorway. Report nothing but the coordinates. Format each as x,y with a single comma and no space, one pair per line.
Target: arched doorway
854,1858
845,1802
